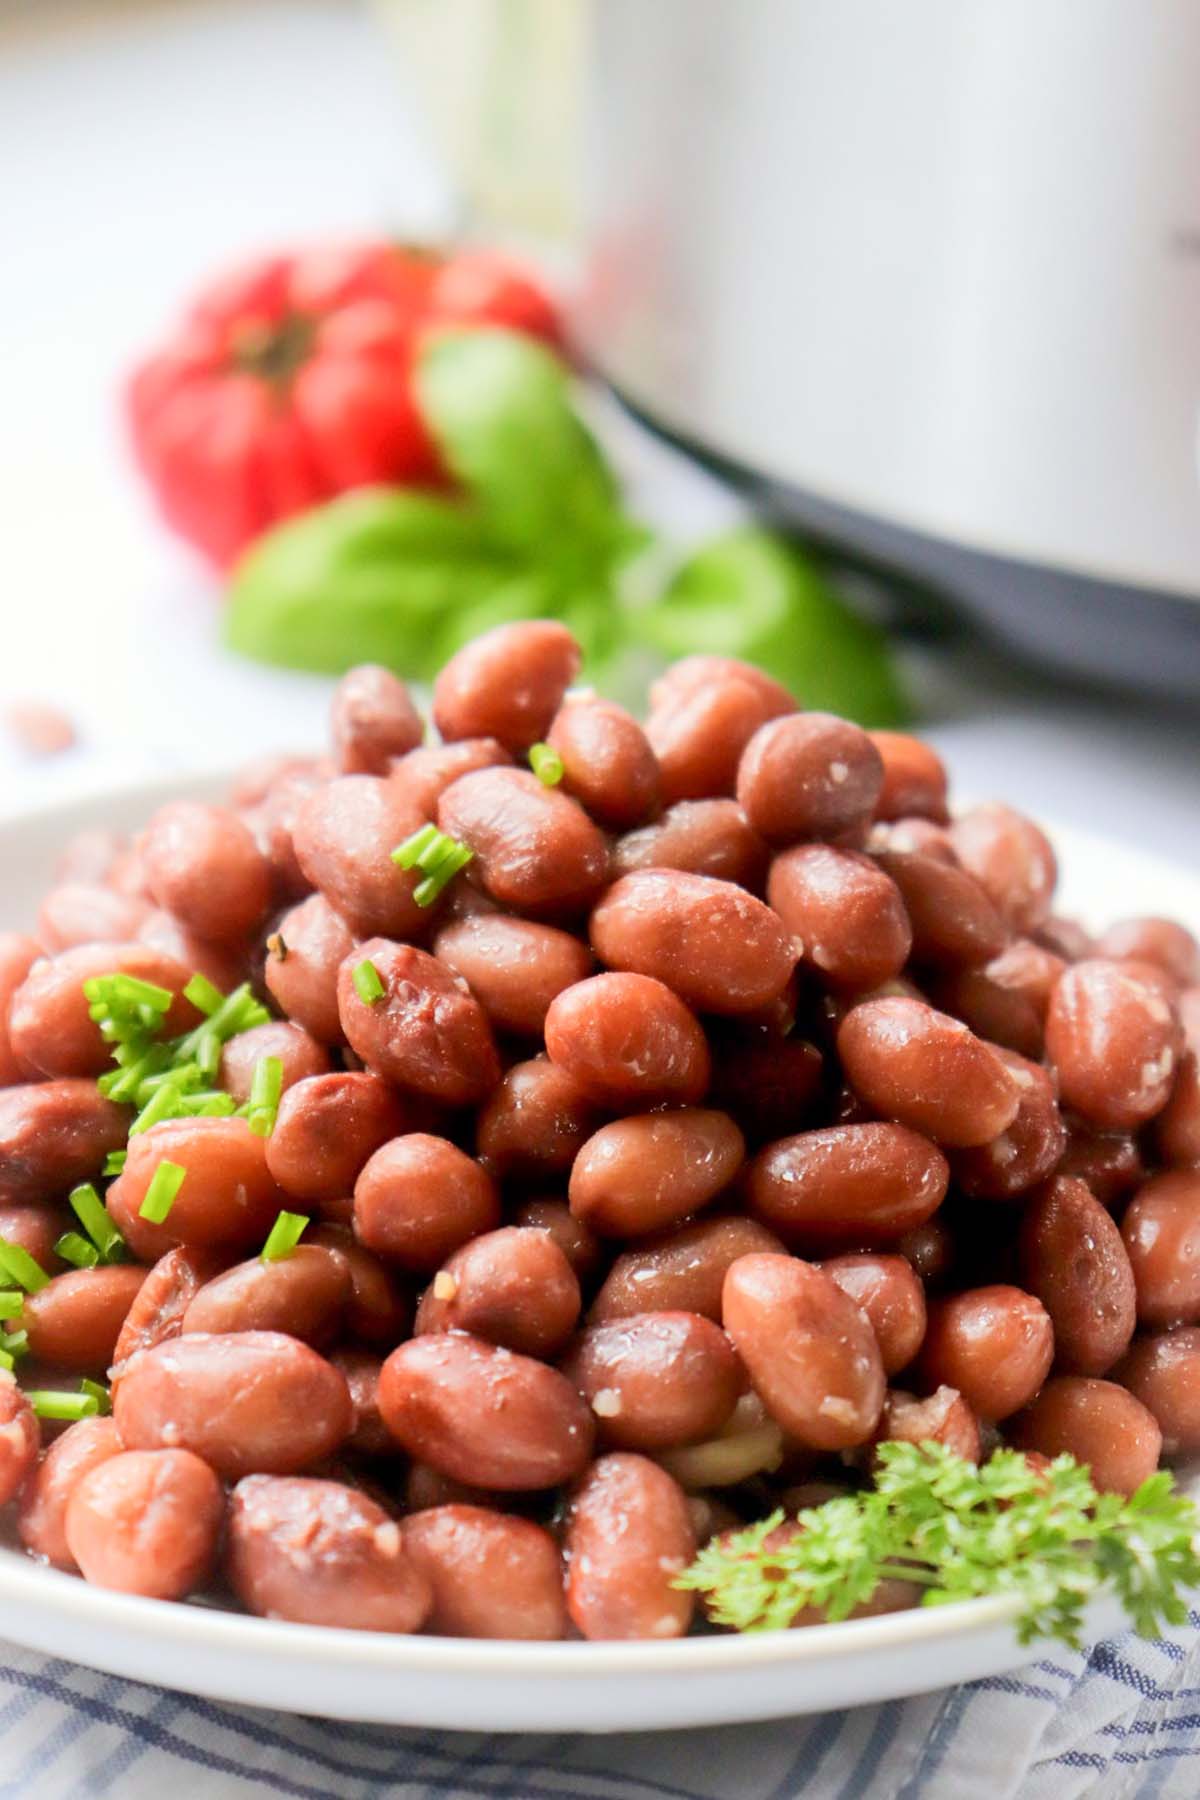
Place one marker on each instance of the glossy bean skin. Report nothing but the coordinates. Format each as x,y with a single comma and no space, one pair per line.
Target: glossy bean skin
629,1533
158,1307
203,865
712,943
927,1070
627,1040
426,1033
513,1286
254,1402
1110,1163
1114,1043
773,1086
1097,1423
299,1055
372,719
74,1322
608,765
492,1575
536,851
912,836
19,1439
507,684
701,837
419,1197
514,967
846,1184
914,779
682,1270
227,1200
888,1291
484,1415
423,776
370,1436
698,738
345,833
657,1380
1029,969
954,923
534,1122
1027,1151
18,954
692,673
583,1250
50,1028
146,1522
993,1344
1011,858
845,916
1161,1231
309,946
1163,1372
379,1310
1073,1259
809,1350
810,774
304,1294
79,912
327,1127
37,1228
1006,1018
1177,1127
321,1553
930,1249
942,1418
1163,941
644,1173
42,1519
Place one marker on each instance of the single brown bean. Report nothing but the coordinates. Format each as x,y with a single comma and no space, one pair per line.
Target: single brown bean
914,778
535,850
627,1040
514,967
18,954
272,824
846,1185
1011,858
226,1201
534,1122
326,1129
507,684
656,1381
372,719
954,923
1163,1372
582,1248
942,1418
298,1054
888,1291
1027,1151
608,765
146,1522
78,912
1001,1015
1073,1259
53,1134
225,965
419,1197
379,1311
41,1521
1114,1043
715,945
252,1402
698,738
1161,1231
303,956
75,1320
913,836
1163,941
1110,1162
203,865
157,1311
1097,1423
994,1344
681,1270
50,1027
691,673
370,1436
492,1575
425,773
810,1351
629,1534
846,918
702,837
771,1085
321,1553
1026,968
809,775
20,1438
483,1414
1177,1127
345,833
641,1174
928,1071
513,1287
425,1032
304,1295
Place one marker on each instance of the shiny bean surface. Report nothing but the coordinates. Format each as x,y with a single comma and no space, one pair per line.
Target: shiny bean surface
18,954
492,1575
535,849
657,1380
372,719
627,1040
226,1201
50,1028
810,774
608,765
715,945
299,1056
513,1287
42,1518
53,1134
698,738
1161,1231
157,1310
425,1032
1002,1015
303,957
845,915
423,776
1114,1043
641,1174
943,1417
1163,941
702,837
82,913
419,1197
515,968
993,1344
345,833
847,1184
914,778
1096,1422
1177,1128
1011,858
583,1250
74,1322
326,1129
534,1122
927,1070
19,1439
629,1533
954,922
203,865
1073,1259
888,1291
507,684
1028,1150
1163,1372
304,1294
682,1270
146,1522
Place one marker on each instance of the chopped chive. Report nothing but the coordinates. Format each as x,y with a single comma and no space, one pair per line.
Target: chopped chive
265,1088
209,1103
99,1394
427,891
6,1361
367,983
11,1302
438,857
203,995
165,1183
90,1210
546,764
208,1053
114,1162
284,1235
14,1343
49,1403
162,1104
409,853
20,1267
75,1249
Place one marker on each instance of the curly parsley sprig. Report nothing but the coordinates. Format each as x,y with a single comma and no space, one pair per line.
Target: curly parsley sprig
959,1531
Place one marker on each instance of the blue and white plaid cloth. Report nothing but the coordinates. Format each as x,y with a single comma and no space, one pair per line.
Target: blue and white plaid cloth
1122,1722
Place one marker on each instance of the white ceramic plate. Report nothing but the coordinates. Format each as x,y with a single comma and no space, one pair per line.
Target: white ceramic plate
459,1683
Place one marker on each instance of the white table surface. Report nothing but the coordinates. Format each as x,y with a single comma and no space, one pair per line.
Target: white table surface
143,144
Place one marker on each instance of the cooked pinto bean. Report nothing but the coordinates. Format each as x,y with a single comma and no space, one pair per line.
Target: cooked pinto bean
848,1184
810,1351
534,1121
19,1438
888,1291
1110,1162
771,1085
379,1310
629,1534
1114,1043
1027,1150
1028,969
41,1522
535,849
608,765
994,1344
513,1287
914,778
581,1247
226,1201
1012,860
682,1270
927,1070
1163,941
715,945
698,738
420,1197
954,923
507,684
1177,1128
146,1522
372,719
492,1575
656,1381
424,774
272,824
157,1311
1161,1230
304,1294
370,1436
702,837
50,1027
1096,1422
250,1402
225,965
1163,1372
36,1228
299,1055
691,673
627,1040
1073,1259
913,836
1000,1014
303,957
808,775
846,917
17,956
75,1320
425,1032
345,833
483,1414
203,865
514,967
321,1553
943,1418
327,1127
81,913
638,1175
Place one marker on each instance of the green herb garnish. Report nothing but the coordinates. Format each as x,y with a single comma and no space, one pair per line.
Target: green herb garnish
266,1086
99,1393
90,1210
53,1403
74,1248
958,1531
165,1183
284,1235
20,1267
438,857
367,982
546,764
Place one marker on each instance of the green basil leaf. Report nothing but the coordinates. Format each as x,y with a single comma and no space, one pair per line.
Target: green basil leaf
753,595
